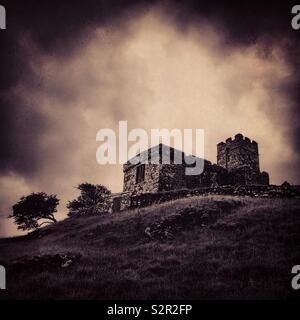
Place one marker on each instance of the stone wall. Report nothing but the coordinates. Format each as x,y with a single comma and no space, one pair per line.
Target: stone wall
172,177
167,177
263,191
247,176
149,184
212,175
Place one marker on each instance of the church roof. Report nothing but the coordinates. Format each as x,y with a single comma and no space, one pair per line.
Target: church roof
158,154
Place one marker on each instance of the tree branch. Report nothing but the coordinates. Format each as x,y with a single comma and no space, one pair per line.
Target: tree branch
50,217
44,223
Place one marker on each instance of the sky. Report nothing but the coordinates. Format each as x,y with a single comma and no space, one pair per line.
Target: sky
69,70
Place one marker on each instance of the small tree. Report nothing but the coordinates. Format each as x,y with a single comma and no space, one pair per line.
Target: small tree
34,208
92,200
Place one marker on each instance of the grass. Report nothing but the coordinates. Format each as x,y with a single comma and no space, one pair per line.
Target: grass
243,248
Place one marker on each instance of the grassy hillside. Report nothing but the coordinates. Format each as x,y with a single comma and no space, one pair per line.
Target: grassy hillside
196,248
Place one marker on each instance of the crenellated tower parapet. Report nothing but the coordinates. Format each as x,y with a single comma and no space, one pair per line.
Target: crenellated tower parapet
238,152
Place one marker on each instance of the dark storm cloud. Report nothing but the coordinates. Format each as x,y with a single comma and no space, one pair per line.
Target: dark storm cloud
19,136
249,22
58,28
61,27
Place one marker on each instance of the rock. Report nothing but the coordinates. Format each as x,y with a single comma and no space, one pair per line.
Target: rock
168,234
205,216
148,232
67,264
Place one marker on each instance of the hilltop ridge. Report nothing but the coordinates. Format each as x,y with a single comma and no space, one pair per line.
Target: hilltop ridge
203,247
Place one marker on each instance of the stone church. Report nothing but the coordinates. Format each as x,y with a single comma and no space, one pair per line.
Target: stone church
237,164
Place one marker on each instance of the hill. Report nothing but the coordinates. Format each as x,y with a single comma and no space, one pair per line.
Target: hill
203,247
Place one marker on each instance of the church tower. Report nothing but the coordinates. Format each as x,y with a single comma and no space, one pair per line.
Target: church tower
241,159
